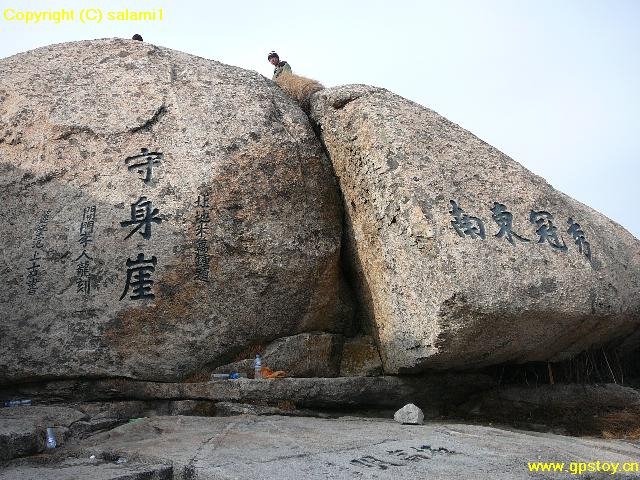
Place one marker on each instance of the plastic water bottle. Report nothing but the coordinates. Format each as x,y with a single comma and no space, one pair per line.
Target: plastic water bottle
16,403
51,438
257,366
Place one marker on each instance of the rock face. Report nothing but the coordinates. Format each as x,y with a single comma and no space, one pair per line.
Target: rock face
306,355
161,213
462,257
360,358
22,429
436,391
96,469
302,355
292,448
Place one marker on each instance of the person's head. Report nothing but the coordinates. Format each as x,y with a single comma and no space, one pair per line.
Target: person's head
273,58
137,36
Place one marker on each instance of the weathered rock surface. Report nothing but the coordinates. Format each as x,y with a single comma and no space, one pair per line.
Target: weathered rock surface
19,439
576,409
462,257
409,414
232,212
303,355
293,448
22,429
564,395
360,357
228,409
436,391
306,355
77,469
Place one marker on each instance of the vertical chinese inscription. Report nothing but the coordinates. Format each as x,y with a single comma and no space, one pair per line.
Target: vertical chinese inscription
34,274
202,220
83,267
143,216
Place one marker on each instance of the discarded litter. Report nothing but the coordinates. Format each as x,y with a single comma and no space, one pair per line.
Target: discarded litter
227,376
266,372
51,438
136,420
16,403
121,460
257,365
92,457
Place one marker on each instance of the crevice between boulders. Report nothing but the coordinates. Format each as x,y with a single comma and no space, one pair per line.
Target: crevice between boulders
359,323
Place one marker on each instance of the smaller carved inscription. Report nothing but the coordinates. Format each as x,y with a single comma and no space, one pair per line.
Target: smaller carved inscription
202,220
83,266
34,272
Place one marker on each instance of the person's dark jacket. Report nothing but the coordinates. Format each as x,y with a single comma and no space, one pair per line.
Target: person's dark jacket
282,67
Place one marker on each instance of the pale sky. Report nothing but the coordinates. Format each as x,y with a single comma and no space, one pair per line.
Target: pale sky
555,84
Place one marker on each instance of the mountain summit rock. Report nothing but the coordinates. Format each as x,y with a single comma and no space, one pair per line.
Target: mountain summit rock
462,257
161,213
165,215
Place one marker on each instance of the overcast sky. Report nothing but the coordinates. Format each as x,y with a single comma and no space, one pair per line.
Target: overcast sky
555,84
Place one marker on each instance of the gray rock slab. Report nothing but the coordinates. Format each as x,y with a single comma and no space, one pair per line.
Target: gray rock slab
247,447
22,429
18,439
462,257
81,469
162,213
435,390
228,409
566,395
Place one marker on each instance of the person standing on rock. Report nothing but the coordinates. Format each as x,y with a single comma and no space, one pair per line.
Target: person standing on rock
281,66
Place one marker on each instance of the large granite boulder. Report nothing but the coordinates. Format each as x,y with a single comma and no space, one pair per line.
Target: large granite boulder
160,213
462,257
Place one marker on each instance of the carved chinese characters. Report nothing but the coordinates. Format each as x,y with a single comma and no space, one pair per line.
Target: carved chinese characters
83,261
139,282
34,274
201,257
543,222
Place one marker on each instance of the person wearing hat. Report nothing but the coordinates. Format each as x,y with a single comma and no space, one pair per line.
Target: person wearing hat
281,66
